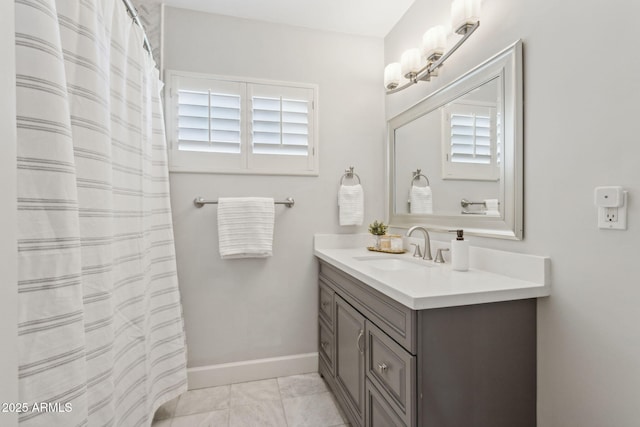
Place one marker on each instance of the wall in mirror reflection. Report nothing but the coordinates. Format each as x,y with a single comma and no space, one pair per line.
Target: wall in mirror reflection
458,148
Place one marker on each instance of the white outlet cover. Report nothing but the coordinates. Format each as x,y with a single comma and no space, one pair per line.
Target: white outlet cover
619,219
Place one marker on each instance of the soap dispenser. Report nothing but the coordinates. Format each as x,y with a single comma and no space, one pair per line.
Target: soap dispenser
459,252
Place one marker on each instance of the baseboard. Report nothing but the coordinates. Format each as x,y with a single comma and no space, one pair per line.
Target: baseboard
251,370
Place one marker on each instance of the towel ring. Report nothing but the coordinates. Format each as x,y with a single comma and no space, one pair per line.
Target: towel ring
349,174
416,176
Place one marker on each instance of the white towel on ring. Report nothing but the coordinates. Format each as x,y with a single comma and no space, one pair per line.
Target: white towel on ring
351,204
245,227
421,200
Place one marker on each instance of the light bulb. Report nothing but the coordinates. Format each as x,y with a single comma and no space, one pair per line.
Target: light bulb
392,75
410,62
463,14
433,43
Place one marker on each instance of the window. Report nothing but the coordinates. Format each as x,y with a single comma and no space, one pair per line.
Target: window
227,125
470,142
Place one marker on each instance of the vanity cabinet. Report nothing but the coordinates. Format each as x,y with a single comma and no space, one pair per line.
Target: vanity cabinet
350,367
389,365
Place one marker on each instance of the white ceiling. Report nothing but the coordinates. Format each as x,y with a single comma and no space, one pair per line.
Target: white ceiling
363,17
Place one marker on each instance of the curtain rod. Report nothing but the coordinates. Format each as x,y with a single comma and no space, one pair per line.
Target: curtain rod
133,13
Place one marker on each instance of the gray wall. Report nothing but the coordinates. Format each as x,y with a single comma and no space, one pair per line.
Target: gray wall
239,310
582,85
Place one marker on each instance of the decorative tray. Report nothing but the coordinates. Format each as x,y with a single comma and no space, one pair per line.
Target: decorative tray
386,251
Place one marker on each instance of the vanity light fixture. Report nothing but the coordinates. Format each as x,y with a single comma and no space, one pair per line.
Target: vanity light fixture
465,19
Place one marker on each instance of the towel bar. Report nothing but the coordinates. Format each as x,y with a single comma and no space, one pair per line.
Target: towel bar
200,202
465,203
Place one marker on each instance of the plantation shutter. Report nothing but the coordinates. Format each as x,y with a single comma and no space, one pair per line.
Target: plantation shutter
470,138
281,120
238,125
209,121
470,141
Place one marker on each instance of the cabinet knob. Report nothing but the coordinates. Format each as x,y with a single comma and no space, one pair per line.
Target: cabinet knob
324,345
382,367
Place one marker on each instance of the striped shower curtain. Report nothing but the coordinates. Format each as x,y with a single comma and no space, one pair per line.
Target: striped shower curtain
101,337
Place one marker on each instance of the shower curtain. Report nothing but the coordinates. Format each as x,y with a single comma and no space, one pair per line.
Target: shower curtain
101,337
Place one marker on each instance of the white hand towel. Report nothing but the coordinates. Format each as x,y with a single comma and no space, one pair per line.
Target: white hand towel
492,207
351,204
245,227
421,200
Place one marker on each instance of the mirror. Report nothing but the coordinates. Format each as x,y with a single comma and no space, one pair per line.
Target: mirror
455,158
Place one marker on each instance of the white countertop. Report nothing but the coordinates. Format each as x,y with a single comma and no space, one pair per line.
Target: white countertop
523,276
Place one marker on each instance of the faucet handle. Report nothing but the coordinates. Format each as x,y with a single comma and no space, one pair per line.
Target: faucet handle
439,257
416,252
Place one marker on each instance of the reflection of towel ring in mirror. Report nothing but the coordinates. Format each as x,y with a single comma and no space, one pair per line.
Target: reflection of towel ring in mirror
416,177
349,174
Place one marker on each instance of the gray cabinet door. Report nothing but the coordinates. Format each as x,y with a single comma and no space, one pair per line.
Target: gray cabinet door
379,412
350,345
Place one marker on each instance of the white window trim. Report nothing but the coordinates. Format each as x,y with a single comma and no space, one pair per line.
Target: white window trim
245,162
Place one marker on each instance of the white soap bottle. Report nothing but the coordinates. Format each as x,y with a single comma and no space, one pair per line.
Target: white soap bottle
459,252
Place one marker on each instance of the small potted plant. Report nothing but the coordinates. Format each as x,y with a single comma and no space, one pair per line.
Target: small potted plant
378,229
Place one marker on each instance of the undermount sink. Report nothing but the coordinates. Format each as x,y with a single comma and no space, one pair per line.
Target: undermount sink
393,263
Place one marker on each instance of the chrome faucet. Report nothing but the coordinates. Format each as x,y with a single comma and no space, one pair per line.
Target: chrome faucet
427,241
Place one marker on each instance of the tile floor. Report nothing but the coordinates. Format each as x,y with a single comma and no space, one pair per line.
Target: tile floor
295,401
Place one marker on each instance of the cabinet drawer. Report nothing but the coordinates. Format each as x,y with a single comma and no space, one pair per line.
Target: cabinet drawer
393,370
326,346
325,304
379,413
396,320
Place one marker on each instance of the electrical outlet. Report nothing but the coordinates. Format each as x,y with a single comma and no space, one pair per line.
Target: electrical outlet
611,214
613,218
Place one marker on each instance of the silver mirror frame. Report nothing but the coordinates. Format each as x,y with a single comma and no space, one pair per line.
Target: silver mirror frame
508,65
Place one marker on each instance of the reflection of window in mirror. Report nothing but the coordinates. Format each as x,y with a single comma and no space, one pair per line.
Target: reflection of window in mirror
470,141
